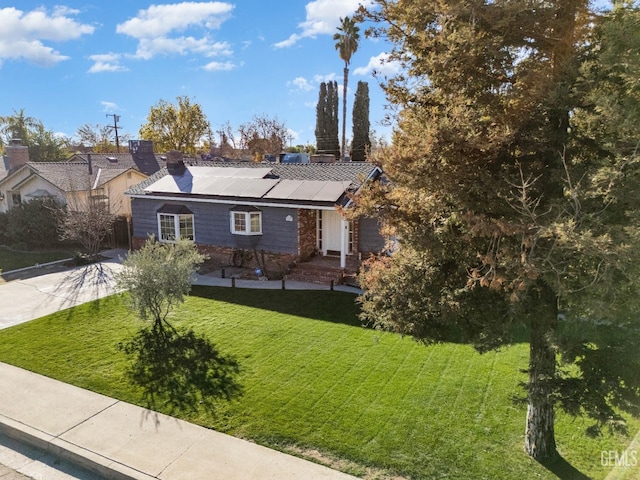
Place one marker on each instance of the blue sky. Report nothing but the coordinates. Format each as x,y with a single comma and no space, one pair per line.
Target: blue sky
73,62
69,63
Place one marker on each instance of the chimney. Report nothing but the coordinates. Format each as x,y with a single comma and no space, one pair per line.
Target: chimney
90,165
17,154
175,164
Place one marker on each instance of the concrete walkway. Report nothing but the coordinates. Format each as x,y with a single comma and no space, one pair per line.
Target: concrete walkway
114,439
22,300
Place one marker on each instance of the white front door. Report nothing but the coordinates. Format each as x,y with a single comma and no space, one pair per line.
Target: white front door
331,225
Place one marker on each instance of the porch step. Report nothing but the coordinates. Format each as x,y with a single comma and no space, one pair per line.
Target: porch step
322,271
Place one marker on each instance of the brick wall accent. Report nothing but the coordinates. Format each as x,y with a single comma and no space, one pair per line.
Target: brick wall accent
277,264
307,232
356,236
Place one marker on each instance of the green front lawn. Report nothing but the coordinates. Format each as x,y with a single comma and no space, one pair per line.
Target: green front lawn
318,384
13,260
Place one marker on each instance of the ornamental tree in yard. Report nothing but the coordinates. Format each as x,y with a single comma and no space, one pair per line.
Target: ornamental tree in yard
158,277
513,196
182,371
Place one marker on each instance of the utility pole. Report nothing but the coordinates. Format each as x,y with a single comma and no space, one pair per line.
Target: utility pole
115,128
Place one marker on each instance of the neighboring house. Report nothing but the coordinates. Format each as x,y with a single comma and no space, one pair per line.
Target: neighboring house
84,177
286,210
71,183
140,157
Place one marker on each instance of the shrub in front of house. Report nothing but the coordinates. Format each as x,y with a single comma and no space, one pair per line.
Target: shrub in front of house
31,224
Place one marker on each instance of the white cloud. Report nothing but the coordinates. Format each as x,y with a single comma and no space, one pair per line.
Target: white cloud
109,106
162,30
330,77
155,29
323,17
159,20
300,83
293,136
150,47
22,34
219,66
381,65
106,62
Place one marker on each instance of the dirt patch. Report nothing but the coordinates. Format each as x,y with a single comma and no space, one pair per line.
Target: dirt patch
341,464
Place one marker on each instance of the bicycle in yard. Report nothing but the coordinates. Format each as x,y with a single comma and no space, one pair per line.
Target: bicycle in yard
240,256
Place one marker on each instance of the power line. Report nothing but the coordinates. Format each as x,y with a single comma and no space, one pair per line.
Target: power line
115,128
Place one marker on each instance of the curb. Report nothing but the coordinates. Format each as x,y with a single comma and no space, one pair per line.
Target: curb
74,454
37,266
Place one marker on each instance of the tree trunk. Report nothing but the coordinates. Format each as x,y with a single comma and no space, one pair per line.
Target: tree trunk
344,112
539,439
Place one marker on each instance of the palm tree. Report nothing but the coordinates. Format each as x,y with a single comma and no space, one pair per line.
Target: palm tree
346,44
17,126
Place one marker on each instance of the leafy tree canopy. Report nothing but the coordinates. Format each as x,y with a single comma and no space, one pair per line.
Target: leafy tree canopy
44,145
158,276
182,126
100,138
512,194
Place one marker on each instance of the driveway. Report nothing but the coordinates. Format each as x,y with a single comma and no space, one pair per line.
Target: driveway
25,299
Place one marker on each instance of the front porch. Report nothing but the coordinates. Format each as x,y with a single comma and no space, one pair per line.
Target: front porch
326,269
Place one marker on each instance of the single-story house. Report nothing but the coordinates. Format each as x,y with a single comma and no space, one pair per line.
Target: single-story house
289,210
71,183
103,177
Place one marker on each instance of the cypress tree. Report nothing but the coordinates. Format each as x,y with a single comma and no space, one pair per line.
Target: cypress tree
327,120
361,143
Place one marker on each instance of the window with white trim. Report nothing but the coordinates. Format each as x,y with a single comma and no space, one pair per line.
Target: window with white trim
172,227
246,223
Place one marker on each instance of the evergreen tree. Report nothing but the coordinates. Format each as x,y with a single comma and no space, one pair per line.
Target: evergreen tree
327,120
508,201
361,143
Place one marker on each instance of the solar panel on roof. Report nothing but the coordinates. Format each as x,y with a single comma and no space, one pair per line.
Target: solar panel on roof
308,190
331,191
171,184
226,172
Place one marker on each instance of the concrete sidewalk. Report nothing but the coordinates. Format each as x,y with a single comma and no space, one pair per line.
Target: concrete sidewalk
118,440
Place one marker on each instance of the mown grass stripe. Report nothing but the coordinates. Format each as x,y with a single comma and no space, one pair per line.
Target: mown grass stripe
390,402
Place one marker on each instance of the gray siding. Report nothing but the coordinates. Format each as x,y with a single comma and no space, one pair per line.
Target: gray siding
212,225
370,238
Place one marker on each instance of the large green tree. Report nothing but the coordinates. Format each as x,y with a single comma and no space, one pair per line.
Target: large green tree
511,198
327,120
346,38
182,126
44,145
361,142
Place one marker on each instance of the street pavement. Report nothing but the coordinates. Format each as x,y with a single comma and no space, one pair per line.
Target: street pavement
69,433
